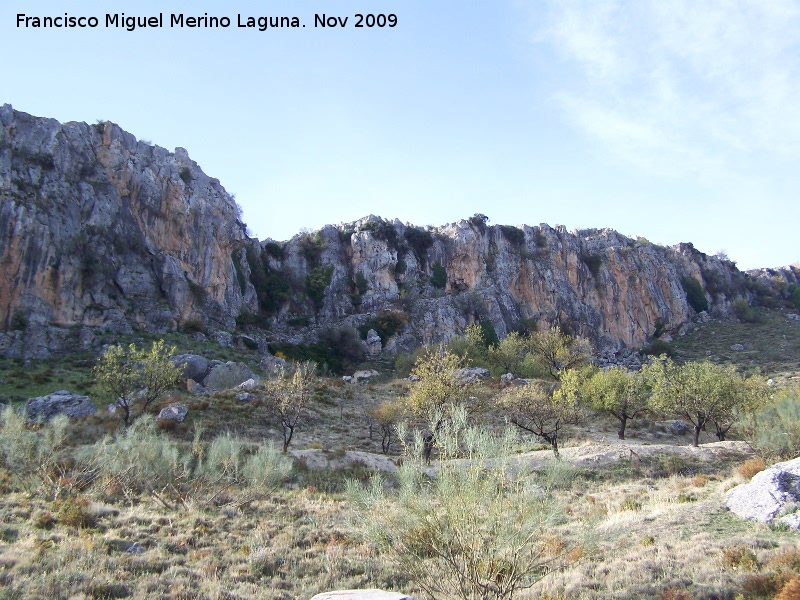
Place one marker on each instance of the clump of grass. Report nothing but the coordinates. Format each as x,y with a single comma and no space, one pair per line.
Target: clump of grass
751,467
739,558
790,591
74,512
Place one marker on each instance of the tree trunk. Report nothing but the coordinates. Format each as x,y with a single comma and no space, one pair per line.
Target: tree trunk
696,442
623,421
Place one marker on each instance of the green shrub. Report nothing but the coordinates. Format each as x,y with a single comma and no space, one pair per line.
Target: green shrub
695,295
27,452
659,347
400,268
337,350
272,287
439,275
514,235
743,311
489,334
476,521
274,249
420,240
237,266
593,262
794,296
319,278
382,230
386,324
774,431
361,283
311,247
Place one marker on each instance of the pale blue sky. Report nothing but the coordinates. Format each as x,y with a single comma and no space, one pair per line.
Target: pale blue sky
676,121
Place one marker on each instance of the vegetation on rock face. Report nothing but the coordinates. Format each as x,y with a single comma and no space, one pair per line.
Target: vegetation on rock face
695,295
134,378
319,278
438,275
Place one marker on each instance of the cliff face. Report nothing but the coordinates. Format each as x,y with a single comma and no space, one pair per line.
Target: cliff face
598,283
100,232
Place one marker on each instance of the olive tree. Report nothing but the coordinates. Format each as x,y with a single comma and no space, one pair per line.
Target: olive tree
476,529
558,351
135,378
702,393
535,408
618,392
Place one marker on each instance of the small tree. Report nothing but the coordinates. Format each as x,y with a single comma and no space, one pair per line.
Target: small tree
386,415
436,389
702,393
287,395
618,392
475,530
509,354
534,408
135,378
471,346
558,351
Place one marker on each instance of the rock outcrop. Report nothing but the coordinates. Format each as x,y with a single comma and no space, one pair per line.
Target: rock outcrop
100,233
773,495
61,402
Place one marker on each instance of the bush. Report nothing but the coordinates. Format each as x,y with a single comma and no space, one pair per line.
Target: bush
514,235
29,453
743,311
386,324
382,230
695,295
659,348
311,247
439,276
272,287
593,262
475,530
420,240
774,431
319,278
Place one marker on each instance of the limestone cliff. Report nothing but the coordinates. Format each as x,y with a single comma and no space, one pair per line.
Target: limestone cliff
101,232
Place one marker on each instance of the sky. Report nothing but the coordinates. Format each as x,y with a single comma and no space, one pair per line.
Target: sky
676,121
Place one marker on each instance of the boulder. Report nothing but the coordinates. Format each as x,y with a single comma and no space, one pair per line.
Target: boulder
364,375
470,374
770,495
361,595
173,413
246,385
194,366
194,388
506,378
373,343
270,363
737,347
347,379
223,338
246,397
225,376
61,402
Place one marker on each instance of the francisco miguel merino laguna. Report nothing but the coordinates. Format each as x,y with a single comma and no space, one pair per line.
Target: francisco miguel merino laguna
130,23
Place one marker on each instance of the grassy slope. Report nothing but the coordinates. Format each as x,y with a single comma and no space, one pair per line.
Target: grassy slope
647,526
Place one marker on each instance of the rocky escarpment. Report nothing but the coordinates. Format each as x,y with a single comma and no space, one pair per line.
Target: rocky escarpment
430,283
100,232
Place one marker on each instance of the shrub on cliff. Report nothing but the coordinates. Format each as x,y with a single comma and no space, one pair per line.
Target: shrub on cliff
695,295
